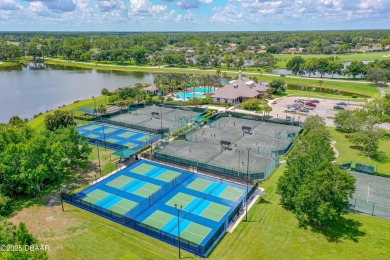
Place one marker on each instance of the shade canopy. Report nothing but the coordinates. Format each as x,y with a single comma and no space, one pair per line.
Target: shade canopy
125,153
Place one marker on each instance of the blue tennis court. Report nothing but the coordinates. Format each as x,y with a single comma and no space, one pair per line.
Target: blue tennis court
146,196
115,137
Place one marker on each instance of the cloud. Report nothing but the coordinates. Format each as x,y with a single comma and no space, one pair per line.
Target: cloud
304,11
187,17
145,7
9,5
61,5
106,5
189,4
40,9
57,5
227,15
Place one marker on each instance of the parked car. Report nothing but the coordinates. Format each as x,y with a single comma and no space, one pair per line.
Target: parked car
299,101
341,104
296,105
304,110
309,107
310,104
338,107
290,109
315,101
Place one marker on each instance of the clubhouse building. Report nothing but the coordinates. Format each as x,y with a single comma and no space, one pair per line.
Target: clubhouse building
240,90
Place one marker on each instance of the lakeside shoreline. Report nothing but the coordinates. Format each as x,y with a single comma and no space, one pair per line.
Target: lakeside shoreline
365,90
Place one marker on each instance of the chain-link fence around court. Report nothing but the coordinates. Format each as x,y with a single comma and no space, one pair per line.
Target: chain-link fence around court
158,119
372,195
255,151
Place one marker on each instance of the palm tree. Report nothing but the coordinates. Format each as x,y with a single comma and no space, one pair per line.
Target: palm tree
105,93
266,109
320,83
159,81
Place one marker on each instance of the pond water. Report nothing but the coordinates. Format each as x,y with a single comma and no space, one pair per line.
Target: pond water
29,89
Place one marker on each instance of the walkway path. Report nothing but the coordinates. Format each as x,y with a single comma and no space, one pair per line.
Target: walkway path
383,91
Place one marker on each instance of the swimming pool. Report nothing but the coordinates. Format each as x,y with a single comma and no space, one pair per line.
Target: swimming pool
193,92
187,95
202,90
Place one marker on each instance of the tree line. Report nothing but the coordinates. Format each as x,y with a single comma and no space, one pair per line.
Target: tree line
377,71
212,48
362,125
30,161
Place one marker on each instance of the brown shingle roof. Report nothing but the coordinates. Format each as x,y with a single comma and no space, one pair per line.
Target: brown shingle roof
151,88
243,87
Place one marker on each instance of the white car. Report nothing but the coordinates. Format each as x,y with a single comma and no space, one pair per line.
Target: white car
290,109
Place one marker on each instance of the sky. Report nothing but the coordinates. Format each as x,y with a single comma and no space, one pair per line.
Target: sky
193,15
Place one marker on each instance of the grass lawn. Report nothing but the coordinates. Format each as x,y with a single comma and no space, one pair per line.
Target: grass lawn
349,153
270,233
38,123
301,93
353,87
369,56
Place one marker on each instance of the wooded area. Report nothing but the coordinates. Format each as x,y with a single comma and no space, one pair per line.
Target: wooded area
250,49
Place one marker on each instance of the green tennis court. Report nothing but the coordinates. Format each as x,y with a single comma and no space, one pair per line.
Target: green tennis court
95,196
112,140
231,193
168,176
120,181
92,127
158,220
108,130
143,168
146,190
92,136
199,184
127,134
180,199
195,233
123,206
143,138
130,145
215,211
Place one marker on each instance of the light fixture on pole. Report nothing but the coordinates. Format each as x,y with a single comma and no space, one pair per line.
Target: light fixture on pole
179,208
98,152
247,187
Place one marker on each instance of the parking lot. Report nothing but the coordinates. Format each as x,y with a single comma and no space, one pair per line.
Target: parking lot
325,108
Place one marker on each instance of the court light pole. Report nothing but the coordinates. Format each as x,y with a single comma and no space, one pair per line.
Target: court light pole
161,120
247,186
239,162
98,152
178,223
189,85
368,190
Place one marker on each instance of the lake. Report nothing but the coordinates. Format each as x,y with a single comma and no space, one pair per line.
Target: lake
27,89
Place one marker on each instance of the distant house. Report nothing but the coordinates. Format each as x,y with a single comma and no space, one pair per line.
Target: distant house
239,90
151,90
189,52
232,47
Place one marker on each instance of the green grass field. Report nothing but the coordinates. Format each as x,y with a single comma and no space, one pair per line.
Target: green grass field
349,153
352,87
369,56
309,95
271,233
38,123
